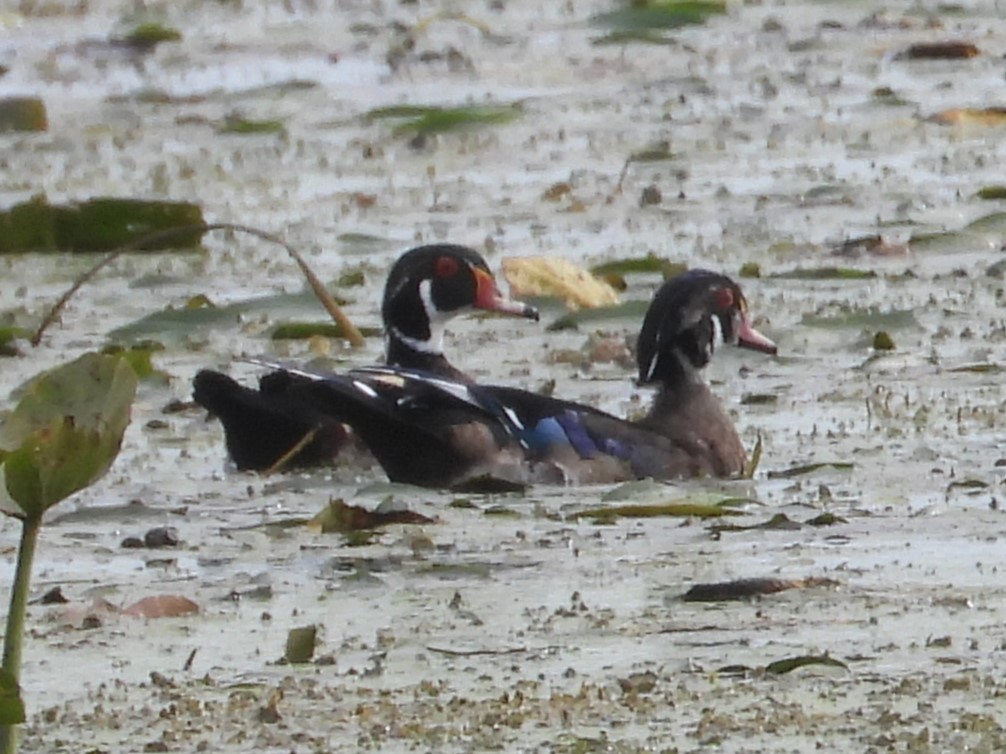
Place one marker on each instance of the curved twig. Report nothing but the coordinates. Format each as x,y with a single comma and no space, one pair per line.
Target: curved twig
350,330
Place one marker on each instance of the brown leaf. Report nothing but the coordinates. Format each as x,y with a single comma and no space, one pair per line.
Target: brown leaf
743,589
557,191
971,116
549,276
162,606
940,51
339,516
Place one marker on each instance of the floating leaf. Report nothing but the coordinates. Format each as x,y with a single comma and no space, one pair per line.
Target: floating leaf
743,589
140,357
162,606
651,263
64,433
339,516
351,279
759,399
882,341
992,192
884,95
971,116
873,245
8,335
300,644
634,309
99,224
645,17
809,468
939,51
863,318
364,243
780,667
11,704
234,124
825,273
691,510
779,522
967,484
982,368
552,276
994,223
146,37
23,114
428,119
199,316
646,36
305,330
826,519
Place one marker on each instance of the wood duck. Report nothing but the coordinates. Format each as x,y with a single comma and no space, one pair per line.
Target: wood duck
434,431
426,287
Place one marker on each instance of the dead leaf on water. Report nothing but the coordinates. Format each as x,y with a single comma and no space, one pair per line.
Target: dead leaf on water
743,589
552,276
162,606
792,663
970,116
809,468
691,510
954,50
557,191
339,516
981,368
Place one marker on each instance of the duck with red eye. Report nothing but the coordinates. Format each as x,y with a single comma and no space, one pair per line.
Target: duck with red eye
426,287
435,432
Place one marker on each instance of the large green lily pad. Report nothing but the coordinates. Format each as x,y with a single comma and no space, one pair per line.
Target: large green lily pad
183,324
99,224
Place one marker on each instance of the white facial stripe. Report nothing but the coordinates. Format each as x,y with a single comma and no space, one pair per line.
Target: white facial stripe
717,339
437,319
652,367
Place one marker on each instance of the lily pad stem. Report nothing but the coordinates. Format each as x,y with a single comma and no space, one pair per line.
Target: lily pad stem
350,331
14,635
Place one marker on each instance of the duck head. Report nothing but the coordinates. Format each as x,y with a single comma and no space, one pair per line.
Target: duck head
430,285
690,316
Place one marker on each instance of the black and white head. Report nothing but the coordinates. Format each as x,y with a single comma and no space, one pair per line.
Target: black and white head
690,316
429,285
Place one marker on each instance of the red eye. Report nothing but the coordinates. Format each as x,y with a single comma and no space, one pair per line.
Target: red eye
446,267
724,298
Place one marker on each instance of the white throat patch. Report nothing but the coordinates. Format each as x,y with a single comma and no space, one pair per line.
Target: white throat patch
435,344
717,340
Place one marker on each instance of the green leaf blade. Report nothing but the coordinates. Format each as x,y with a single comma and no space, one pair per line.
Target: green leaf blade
65,432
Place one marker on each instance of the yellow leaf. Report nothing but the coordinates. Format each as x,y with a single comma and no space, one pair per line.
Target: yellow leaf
548,276
971,116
